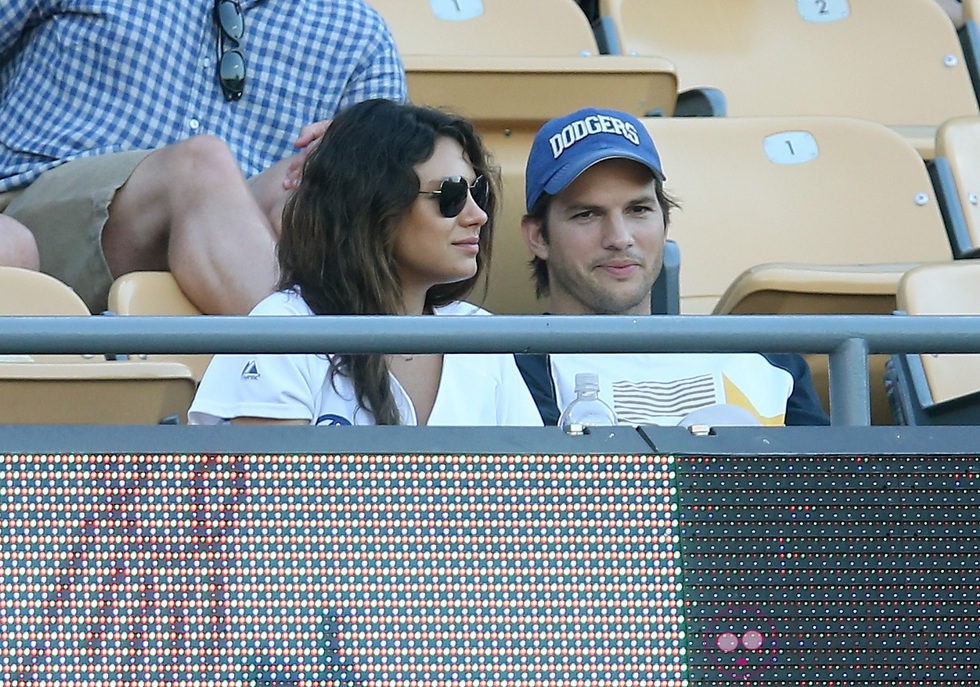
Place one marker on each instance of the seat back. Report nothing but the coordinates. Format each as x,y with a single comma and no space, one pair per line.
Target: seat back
802,289
25,292
155,293
29,293
897,63
515,91
956,175
149,293
106,392
945,381
75,389
497,27
510,289
813,190
494,61
841,206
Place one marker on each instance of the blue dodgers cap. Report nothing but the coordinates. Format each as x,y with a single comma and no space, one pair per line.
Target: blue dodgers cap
567,146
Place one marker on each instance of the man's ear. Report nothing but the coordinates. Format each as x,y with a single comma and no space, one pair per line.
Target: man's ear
534,236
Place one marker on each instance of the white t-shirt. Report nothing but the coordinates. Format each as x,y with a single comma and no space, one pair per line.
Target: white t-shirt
474,390
665,388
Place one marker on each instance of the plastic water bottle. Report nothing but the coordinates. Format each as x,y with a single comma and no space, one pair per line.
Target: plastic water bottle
586,409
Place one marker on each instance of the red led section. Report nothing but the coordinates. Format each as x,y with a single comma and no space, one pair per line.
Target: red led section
339,569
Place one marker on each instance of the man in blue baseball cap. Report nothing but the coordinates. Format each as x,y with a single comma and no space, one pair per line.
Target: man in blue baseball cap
602,162
596,222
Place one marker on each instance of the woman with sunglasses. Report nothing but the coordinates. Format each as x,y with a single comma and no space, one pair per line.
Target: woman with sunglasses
394,216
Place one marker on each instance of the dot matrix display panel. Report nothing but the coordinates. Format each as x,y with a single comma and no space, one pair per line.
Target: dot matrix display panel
268,570
831,571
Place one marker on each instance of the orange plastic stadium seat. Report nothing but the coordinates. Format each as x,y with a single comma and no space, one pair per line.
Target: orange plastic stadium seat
72,388
956,176
500,27
513,63
155,294
96,392
896,63
25,292
29,293
797,215
935,388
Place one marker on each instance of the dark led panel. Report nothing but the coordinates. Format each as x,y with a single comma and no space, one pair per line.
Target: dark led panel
831,571
525,570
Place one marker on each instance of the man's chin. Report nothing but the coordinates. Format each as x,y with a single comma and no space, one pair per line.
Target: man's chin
634,304
623,299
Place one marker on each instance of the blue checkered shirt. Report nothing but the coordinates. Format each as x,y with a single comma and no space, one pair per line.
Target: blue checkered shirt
89,77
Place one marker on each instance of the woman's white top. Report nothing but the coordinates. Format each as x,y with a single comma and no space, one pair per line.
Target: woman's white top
474,389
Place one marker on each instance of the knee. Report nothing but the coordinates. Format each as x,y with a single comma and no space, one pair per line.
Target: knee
17,245
201,160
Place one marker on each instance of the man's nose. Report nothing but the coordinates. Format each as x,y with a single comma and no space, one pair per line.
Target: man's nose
616,233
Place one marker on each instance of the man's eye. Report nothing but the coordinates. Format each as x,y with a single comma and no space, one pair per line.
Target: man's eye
584,214
642,209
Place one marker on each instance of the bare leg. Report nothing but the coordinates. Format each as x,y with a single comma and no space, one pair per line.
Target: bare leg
267,188
189,209
17,246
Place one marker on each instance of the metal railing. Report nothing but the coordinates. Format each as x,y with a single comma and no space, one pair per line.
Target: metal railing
847,339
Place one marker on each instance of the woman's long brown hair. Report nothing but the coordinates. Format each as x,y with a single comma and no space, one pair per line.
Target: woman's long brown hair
339,227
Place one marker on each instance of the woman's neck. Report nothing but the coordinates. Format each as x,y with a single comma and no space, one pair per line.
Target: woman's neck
413,303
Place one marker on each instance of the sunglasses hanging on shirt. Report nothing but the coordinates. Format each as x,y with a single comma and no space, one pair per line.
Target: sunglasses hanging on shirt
230,19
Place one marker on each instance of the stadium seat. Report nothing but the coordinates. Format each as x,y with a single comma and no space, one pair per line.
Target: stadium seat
95,392
809,190
801,289
72,388
25,292
514,63
969,35
498,27
510,289
29,293
840,205
896,63
155,293
955,171
938,389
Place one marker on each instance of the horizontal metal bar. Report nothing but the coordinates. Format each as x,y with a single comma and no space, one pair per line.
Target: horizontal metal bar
499,333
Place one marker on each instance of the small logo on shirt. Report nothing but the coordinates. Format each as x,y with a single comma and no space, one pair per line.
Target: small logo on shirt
251,370
331,420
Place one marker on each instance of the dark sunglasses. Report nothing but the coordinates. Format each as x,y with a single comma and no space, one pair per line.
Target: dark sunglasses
231,58
453,192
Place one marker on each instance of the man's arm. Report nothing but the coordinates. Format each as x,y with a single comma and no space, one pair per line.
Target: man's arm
803,407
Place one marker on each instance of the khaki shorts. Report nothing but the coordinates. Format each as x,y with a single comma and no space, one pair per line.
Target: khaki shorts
66,209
